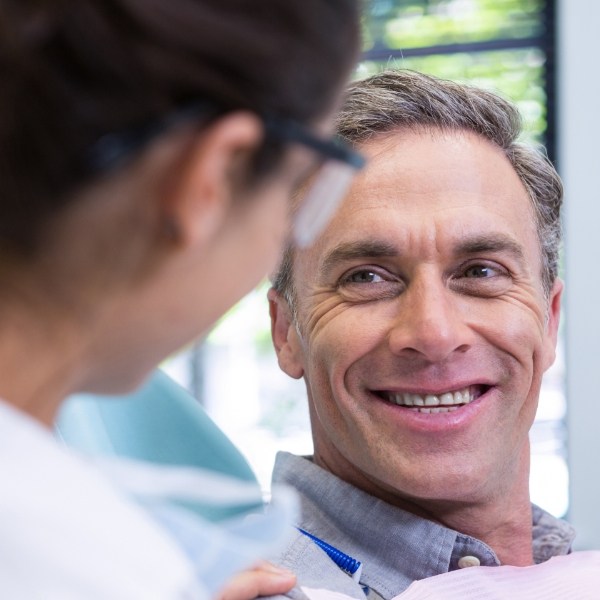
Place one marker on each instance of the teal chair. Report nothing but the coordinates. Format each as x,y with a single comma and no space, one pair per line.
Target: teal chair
160,423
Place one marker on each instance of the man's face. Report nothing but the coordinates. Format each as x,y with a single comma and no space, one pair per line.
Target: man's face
423,330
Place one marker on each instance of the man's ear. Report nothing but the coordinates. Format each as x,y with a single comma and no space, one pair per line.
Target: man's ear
285,336
199,200
553,321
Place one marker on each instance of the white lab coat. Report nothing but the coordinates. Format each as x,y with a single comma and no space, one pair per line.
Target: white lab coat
66,533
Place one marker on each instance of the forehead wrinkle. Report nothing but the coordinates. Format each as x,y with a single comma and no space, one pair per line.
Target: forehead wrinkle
346,251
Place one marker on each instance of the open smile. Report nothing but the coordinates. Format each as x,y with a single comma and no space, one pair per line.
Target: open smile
444,402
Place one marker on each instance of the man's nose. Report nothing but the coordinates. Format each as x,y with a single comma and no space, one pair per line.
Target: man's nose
429,324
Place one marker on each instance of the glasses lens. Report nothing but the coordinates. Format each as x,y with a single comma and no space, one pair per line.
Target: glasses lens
321,201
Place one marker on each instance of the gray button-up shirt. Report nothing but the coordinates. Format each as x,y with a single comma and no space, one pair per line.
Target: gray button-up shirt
395,547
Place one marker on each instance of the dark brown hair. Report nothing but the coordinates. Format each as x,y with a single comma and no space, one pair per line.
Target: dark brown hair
72,71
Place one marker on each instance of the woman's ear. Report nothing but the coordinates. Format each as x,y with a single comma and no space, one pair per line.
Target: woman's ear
198,202
285,336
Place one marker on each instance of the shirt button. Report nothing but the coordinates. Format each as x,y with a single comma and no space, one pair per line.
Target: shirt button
468,561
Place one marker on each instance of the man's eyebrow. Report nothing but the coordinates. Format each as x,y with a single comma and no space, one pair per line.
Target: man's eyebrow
490,243
348,251
359,249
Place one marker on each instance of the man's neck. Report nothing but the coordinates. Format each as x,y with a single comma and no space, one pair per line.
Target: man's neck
502,519
504,527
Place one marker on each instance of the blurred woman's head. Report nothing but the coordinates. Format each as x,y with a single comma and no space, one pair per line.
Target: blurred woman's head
134,154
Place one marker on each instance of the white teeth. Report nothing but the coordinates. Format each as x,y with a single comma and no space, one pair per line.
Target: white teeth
436,409
448,400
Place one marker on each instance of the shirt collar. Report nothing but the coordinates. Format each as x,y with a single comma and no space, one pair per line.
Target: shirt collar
395,546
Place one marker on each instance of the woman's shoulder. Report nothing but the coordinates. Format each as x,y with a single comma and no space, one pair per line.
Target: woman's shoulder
63,525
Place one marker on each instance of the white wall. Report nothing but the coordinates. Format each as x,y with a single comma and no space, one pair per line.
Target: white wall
579,162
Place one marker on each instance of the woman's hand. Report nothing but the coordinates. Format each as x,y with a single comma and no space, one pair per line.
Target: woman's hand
264,579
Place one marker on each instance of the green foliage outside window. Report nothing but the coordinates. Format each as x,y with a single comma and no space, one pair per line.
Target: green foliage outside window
516,73
398,24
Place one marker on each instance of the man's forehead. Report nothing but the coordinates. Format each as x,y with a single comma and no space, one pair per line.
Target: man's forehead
428,152
412,169
473,203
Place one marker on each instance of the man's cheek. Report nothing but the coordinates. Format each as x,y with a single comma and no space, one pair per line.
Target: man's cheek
517,335
329,311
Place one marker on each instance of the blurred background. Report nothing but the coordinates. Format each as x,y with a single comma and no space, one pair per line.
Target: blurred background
539,54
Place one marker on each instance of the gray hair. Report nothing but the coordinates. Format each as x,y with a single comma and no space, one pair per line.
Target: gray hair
401,99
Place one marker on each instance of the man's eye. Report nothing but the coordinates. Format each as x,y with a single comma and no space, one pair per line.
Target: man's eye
364,276
481,271
482,279
365,285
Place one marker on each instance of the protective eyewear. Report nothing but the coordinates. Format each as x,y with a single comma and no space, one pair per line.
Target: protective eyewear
330,184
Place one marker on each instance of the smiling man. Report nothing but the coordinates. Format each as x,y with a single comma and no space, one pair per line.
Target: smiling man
422,321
